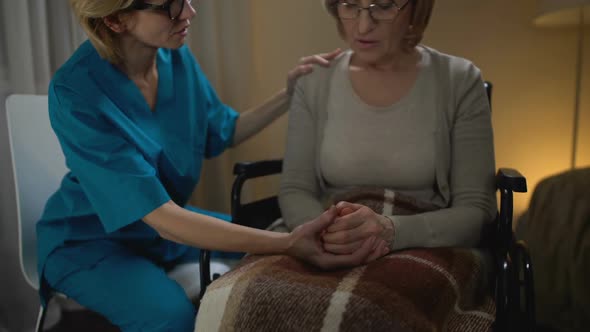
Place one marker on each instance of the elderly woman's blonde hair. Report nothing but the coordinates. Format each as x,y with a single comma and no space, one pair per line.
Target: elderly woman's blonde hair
421,12
90,14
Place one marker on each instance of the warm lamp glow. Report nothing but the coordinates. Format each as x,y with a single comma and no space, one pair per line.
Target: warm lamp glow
553,13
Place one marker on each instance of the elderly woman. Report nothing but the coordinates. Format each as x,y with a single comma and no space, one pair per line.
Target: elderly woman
395,115
399,135
135,117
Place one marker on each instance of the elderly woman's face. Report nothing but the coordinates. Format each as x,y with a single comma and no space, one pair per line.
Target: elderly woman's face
375,29
162,23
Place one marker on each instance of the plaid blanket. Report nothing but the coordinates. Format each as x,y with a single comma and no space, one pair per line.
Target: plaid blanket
440,289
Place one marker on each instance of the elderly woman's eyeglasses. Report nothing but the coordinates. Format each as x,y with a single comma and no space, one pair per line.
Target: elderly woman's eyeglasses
172,7
378,11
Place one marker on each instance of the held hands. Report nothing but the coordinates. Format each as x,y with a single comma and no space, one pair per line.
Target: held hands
305,66
353,226
305,243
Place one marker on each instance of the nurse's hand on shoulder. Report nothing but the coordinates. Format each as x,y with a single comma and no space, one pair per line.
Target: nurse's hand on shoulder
305,66
306,244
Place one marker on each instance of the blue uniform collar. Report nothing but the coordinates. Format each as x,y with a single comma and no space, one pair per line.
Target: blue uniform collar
124,93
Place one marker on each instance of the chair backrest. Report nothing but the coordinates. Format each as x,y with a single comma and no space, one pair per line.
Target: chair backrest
259,214
38,165
489,89
263,212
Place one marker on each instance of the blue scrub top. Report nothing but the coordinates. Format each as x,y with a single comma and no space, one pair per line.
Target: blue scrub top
126,160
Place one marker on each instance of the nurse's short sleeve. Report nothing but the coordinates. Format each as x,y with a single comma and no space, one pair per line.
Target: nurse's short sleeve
119,183
220,117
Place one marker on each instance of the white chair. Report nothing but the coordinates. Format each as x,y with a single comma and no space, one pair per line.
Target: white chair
39,166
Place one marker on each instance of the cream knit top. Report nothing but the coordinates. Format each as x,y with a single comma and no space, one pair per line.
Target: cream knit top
435,144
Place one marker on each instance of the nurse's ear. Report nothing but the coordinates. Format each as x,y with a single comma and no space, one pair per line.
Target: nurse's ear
118,23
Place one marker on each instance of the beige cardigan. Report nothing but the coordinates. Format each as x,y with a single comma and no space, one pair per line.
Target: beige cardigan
465,164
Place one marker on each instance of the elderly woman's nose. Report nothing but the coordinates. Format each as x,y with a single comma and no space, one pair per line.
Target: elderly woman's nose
365,22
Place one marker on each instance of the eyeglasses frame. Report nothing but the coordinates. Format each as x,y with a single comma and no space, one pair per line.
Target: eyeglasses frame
369,9
166,7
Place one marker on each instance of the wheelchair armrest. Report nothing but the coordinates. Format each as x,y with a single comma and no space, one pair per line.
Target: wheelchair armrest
510,179
512,257
258,168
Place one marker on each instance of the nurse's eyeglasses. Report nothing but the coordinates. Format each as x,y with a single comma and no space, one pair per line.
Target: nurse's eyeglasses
172,7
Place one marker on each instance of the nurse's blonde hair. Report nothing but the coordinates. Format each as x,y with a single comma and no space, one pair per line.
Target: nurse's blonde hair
91,14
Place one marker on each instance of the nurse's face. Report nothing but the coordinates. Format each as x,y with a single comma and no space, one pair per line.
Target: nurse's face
161,23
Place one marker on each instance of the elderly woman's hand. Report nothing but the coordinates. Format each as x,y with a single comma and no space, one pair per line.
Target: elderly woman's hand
305,66
354,225
305,243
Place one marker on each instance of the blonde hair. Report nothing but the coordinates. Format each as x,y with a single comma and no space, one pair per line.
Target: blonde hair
421,12
91,14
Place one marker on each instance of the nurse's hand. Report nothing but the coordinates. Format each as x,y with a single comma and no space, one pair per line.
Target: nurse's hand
305,66
305,243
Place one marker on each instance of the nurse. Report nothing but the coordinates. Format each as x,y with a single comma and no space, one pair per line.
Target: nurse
135,117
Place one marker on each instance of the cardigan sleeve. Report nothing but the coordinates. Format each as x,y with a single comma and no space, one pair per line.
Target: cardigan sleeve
299,193
471,176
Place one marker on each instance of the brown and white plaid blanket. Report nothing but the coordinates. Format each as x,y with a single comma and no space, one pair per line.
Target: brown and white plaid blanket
442,289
